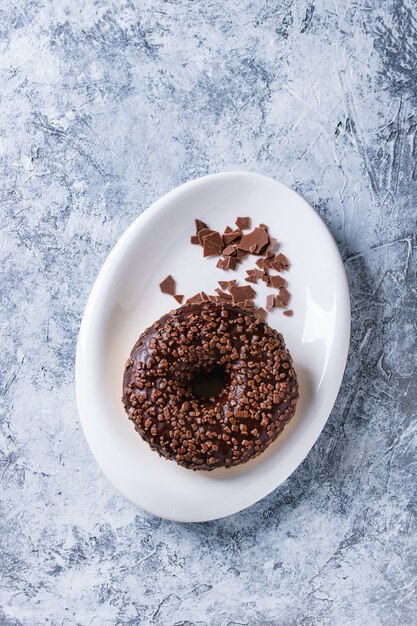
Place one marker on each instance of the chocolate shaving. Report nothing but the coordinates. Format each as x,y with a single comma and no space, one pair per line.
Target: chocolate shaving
284,296
280,262
168,285
231,236
229,250
254,240
231,263
270,303
212,244
199,225
203,232
241,254
277,282
261,313
226,284
223,294
240,294
243,223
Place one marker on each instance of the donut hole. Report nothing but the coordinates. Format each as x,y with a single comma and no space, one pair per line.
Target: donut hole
210,383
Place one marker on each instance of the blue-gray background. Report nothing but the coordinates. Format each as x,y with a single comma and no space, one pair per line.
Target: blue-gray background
104,107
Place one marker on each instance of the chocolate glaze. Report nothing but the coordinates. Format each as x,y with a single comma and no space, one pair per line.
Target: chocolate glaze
258,399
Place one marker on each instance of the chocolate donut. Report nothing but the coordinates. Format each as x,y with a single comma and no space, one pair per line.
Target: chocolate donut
170,378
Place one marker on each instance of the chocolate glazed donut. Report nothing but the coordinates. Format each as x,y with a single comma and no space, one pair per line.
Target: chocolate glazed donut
210,385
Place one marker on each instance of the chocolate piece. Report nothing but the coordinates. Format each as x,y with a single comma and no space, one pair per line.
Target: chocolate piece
280,262
255,240
260,263
196,299
168,285
199,225
230,263
226,284
243,223
179,298
194,240
203,232
278,302
231,236
240,294
223,294
289,313
227,230
270,303
240,254
251,279
212,244
229,250
272,243
284,296
261,313
221,263
277,282
161,396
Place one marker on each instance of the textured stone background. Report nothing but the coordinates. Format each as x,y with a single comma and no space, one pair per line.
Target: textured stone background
105,106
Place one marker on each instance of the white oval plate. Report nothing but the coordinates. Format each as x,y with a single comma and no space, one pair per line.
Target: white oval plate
126,299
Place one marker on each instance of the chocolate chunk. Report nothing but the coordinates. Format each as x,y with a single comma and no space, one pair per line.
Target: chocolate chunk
232,236
256,240
194,239
243,223
228,230
289,313
203,233
280,262
179,299
229,250
168,285
251,279
194,299
212,244
240,254
240,294
260,263
223,294
272,243
270,302
226,284
261,313
221,263
284,296
230,263
199,225
277,282
247,304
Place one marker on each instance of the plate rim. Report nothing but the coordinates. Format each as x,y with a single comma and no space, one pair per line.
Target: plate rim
101,278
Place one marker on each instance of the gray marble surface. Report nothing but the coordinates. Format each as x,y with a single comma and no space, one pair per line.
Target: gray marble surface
105,106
